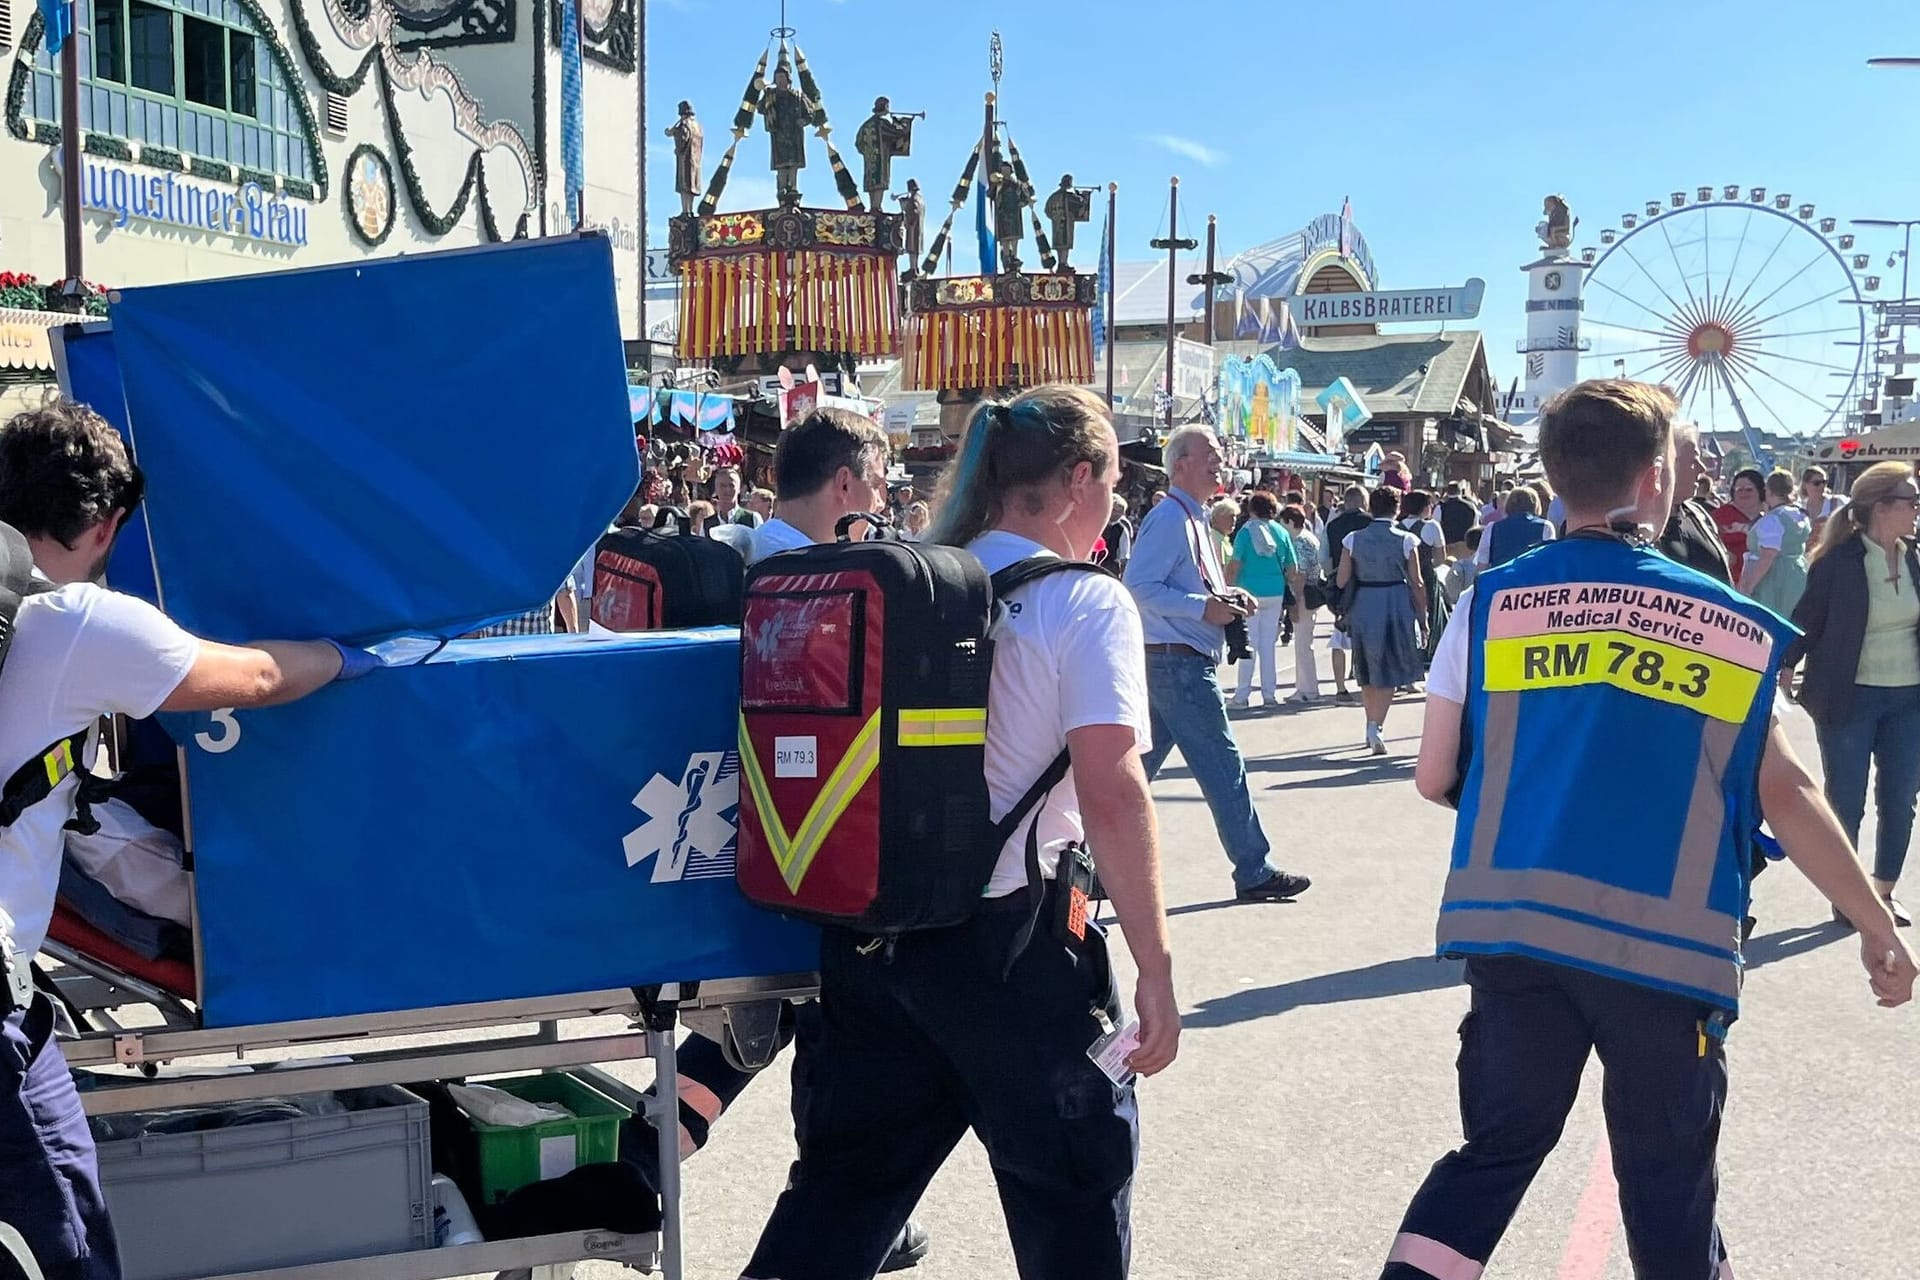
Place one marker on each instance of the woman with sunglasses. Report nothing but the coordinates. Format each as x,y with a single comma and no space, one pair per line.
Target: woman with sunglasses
1818,499
1861,648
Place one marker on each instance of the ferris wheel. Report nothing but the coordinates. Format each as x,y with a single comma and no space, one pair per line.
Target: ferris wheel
1752,308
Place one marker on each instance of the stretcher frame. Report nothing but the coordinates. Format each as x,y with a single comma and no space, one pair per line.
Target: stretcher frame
500,1037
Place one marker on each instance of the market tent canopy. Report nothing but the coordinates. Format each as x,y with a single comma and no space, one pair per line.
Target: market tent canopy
24,344
1899,443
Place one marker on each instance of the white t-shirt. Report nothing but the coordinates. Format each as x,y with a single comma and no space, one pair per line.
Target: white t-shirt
1447,673
774,536
78,653
1072,654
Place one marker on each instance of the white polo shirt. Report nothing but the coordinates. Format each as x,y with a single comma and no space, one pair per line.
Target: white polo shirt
1070,656
79,652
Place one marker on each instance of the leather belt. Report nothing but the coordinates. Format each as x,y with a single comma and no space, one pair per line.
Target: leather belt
1179,648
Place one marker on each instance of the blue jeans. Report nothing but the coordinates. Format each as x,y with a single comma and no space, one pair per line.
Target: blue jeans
1883,728
1188,712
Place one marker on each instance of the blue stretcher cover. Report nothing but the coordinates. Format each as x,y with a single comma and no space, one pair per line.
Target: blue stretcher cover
411,444
519,817
89,370
411,447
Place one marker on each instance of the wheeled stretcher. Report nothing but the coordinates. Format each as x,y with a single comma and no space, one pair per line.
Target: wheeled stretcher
466,863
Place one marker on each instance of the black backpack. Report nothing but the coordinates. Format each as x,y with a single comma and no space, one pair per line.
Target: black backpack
651,580
863,729
35,780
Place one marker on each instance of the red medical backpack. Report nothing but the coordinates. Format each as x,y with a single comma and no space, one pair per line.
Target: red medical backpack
863,729
652,580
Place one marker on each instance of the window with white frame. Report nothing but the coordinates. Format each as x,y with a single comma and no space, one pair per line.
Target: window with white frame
192,76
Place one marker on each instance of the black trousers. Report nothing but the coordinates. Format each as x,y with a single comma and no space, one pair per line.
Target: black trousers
1523,1047
923,1041
49,1176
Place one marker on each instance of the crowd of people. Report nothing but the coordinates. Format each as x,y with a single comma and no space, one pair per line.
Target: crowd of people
1376,576
922,1036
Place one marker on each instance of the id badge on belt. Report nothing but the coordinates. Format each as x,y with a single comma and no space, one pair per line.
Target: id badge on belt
1111,1051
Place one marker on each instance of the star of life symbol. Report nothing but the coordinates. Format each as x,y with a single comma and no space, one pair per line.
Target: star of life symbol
691,830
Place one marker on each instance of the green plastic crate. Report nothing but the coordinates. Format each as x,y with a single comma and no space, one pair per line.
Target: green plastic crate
511,1158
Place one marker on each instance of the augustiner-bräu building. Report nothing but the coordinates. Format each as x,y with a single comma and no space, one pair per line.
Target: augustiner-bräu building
230,136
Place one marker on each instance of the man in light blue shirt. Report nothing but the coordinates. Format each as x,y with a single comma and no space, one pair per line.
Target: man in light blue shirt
1185,603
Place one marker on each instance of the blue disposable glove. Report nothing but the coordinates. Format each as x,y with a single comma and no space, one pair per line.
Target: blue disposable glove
354,663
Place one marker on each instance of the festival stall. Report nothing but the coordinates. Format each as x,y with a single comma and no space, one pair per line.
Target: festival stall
763,285
1005,328
479,835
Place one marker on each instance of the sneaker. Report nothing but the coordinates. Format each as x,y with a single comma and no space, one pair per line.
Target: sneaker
1281,886
1375,743
909,1248
1899,912
1237,703
1344,697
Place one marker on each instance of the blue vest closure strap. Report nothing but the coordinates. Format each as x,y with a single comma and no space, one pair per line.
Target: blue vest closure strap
1617,708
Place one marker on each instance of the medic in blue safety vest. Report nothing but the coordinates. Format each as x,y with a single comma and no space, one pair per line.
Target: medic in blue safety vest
1604,724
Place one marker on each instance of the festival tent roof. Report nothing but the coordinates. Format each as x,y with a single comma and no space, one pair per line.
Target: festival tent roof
1270,270
1401,374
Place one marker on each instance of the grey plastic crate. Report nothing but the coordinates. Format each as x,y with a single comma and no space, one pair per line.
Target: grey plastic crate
282,1193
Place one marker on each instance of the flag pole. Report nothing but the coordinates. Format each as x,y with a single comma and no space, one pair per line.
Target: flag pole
1113,210
73,288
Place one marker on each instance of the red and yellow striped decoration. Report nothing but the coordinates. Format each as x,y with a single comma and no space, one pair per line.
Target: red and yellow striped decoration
988,347
775,302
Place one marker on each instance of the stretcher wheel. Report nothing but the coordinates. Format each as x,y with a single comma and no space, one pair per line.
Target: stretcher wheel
750,1033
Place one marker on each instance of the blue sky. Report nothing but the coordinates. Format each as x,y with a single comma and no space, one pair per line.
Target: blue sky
1446,124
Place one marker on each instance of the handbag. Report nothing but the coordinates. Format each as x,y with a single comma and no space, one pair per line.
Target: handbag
1315,593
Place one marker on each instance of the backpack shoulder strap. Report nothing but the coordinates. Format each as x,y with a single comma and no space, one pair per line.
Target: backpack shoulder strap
35,780
1021,572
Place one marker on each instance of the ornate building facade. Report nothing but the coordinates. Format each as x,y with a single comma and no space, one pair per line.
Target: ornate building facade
230,136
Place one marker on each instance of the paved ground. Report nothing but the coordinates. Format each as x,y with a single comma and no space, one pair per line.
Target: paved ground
1315,1082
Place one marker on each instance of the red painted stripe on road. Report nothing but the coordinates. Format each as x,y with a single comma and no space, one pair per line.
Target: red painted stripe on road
1596,1221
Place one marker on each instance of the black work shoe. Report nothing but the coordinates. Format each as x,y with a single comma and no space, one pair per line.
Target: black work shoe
909,1248
1279,887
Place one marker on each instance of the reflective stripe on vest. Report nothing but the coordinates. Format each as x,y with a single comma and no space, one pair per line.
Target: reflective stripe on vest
944,727
794,854
1616,647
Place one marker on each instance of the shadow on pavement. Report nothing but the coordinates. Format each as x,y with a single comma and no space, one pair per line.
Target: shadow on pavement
1359,772
1194,908
1788,943
1378,981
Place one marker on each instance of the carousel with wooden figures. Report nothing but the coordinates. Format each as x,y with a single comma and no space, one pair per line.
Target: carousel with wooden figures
1006,328
793,285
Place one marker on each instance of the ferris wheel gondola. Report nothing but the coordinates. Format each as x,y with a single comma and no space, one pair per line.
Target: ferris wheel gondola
1751,307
